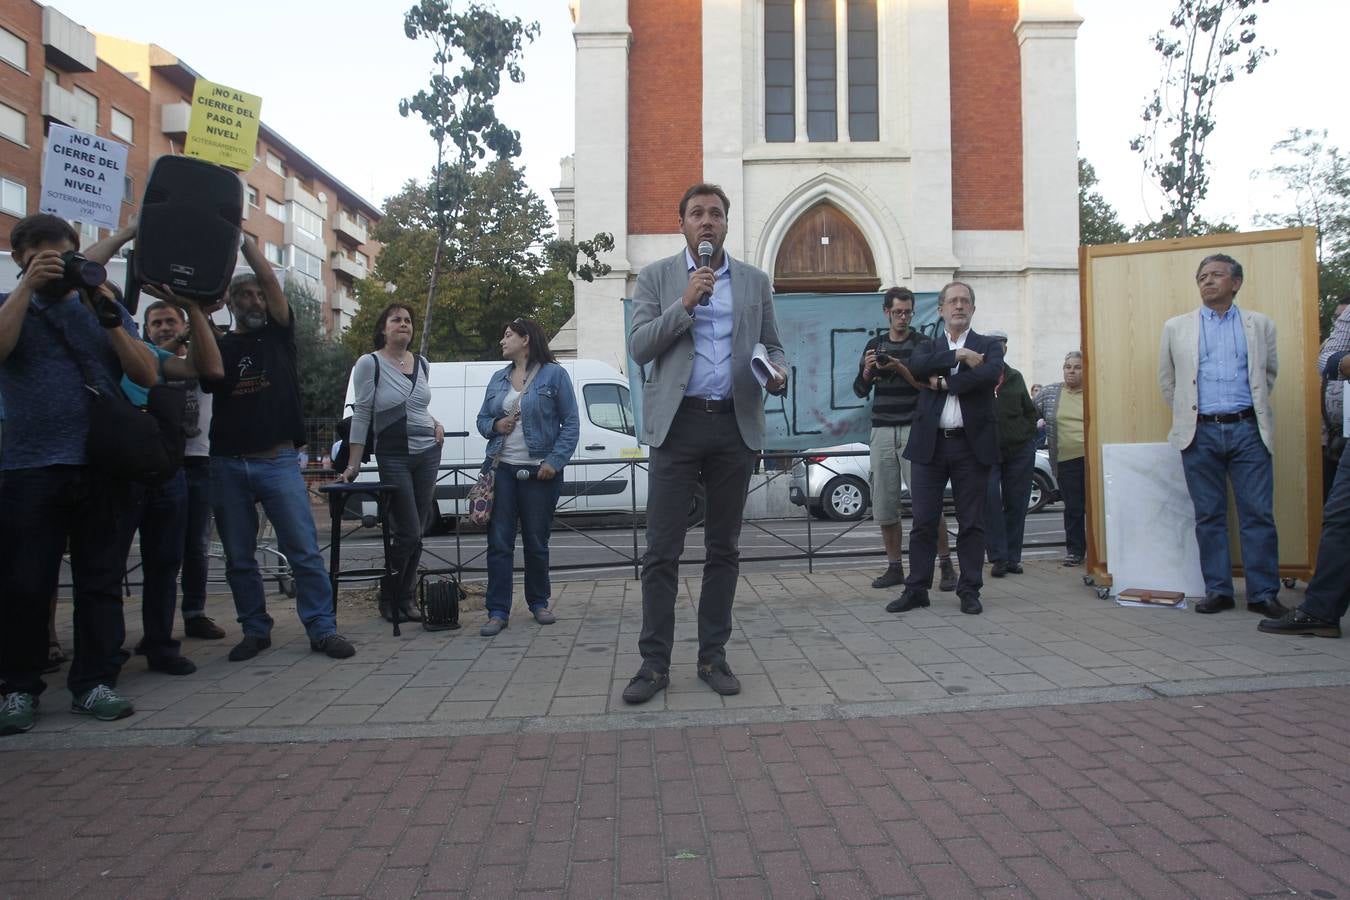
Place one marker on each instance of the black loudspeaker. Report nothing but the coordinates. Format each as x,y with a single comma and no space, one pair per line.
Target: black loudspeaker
188,234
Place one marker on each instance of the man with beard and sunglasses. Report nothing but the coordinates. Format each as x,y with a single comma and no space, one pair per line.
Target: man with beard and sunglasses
257,423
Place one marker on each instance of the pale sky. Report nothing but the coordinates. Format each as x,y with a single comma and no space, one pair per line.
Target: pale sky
331,75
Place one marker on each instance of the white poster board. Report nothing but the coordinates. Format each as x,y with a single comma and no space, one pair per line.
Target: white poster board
83,177
1150,522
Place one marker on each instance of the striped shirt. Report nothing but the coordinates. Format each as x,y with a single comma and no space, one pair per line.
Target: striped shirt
895,398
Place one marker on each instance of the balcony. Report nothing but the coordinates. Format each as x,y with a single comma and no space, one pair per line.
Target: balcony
174,118
70,47
295,192
347,226
344,301
344,265
61,105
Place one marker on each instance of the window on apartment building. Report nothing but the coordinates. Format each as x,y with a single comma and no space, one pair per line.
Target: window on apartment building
362,259
13,124
275,164
13,49
88,106
122,126
362,220
88,232
306,264
276,210
272,253
822,69
307,223
252,193
51,76
13,198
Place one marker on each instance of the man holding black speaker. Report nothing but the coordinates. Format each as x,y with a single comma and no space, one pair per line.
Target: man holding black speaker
61,333
256,425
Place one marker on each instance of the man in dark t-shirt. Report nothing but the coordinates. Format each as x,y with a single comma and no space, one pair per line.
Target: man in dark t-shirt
883,371
256,425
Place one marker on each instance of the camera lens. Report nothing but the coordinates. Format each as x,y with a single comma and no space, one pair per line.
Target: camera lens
82,272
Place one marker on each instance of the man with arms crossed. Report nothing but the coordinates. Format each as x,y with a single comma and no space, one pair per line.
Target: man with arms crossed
1216,369
695,326
954,438
884,368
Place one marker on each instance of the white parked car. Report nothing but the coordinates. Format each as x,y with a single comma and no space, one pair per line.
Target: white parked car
836,487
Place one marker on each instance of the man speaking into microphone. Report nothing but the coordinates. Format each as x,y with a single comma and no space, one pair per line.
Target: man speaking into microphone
697,316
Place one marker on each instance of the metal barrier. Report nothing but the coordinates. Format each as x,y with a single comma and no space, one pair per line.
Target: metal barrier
454,482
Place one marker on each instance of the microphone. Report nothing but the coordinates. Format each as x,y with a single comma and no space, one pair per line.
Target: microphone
705,252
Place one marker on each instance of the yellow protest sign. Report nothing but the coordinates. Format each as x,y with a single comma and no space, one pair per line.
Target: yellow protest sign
224,125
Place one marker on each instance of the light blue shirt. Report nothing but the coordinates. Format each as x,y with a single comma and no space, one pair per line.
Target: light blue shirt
711,375
1223,386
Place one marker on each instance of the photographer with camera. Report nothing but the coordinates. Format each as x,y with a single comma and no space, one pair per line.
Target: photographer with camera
883,368
60,330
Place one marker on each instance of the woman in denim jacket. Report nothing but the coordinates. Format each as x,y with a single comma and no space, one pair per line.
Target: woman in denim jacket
529,417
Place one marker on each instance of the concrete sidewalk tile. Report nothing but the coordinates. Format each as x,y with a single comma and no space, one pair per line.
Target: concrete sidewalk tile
855,685
587,705
299,708
411,704
961,678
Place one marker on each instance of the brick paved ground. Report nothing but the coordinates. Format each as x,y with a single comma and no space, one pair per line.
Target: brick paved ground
1233,795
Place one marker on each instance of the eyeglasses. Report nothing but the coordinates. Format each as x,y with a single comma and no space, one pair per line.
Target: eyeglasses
907,313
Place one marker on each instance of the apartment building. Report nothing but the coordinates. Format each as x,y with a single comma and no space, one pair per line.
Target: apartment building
309,224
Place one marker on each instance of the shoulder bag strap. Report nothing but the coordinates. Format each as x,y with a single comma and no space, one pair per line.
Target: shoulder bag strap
90,382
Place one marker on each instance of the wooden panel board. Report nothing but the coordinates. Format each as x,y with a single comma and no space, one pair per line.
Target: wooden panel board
1129,291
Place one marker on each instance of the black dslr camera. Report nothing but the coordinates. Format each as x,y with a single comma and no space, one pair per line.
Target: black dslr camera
882,358
80,273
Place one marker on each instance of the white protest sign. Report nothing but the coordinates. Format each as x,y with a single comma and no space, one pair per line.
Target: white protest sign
83,177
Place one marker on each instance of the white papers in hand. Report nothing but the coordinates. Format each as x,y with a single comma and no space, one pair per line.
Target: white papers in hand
760,365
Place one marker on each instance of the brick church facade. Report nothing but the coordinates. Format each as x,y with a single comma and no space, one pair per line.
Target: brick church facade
863,144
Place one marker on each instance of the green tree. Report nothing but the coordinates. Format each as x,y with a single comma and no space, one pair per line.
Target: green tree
508,266
322,364
1315,177
1206,44
1097,219
459,107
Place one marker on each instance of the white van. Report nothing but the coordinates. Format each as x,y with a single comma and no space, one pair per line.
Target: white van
607,432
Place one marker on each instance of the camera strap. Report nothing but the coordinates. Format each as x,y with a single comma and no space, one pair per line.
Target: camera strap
90,380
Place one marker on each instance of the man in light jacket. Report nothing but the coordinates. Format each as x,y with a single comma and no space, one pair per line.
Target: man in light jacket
1216,369
695,326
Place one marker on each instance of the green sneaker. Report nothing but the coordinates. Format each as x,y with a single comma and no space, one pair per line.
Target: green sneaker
103,703
17,712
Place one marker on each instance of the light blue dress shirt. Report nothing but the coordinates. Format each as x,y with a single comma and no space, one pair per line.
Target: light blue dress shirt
711,375
1223,386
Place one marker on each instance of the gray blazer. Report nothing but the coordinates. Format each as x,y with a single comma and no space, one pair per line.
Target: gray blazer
1179,367
662,344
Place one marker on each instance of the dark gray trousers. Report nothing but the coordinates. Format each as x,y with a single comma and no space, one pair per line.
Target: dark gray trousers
700,446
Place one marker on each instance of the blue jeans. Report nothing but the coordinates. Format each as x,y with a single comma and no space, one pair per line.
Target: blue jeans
238,484
1005,508
159,513
1328,594
196,562
1219,454
532,503
41,509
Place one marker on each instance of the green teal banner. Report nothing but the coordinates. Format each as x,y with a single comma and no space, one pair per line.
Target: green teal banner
823,337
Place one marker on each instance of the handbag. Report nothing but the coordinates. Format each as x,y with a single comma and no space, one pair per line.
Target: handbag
481,494
128,442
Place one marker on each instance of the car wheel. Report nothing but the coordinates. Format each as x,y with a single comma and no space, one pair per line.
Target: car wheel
1040,493
844,499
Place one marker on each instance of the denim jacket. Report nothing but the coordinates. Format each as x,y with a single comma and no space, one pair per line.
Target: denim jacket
548,415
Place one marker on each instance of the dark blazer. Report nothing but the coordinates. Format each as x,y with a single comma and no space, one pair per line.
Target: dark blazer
973,387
